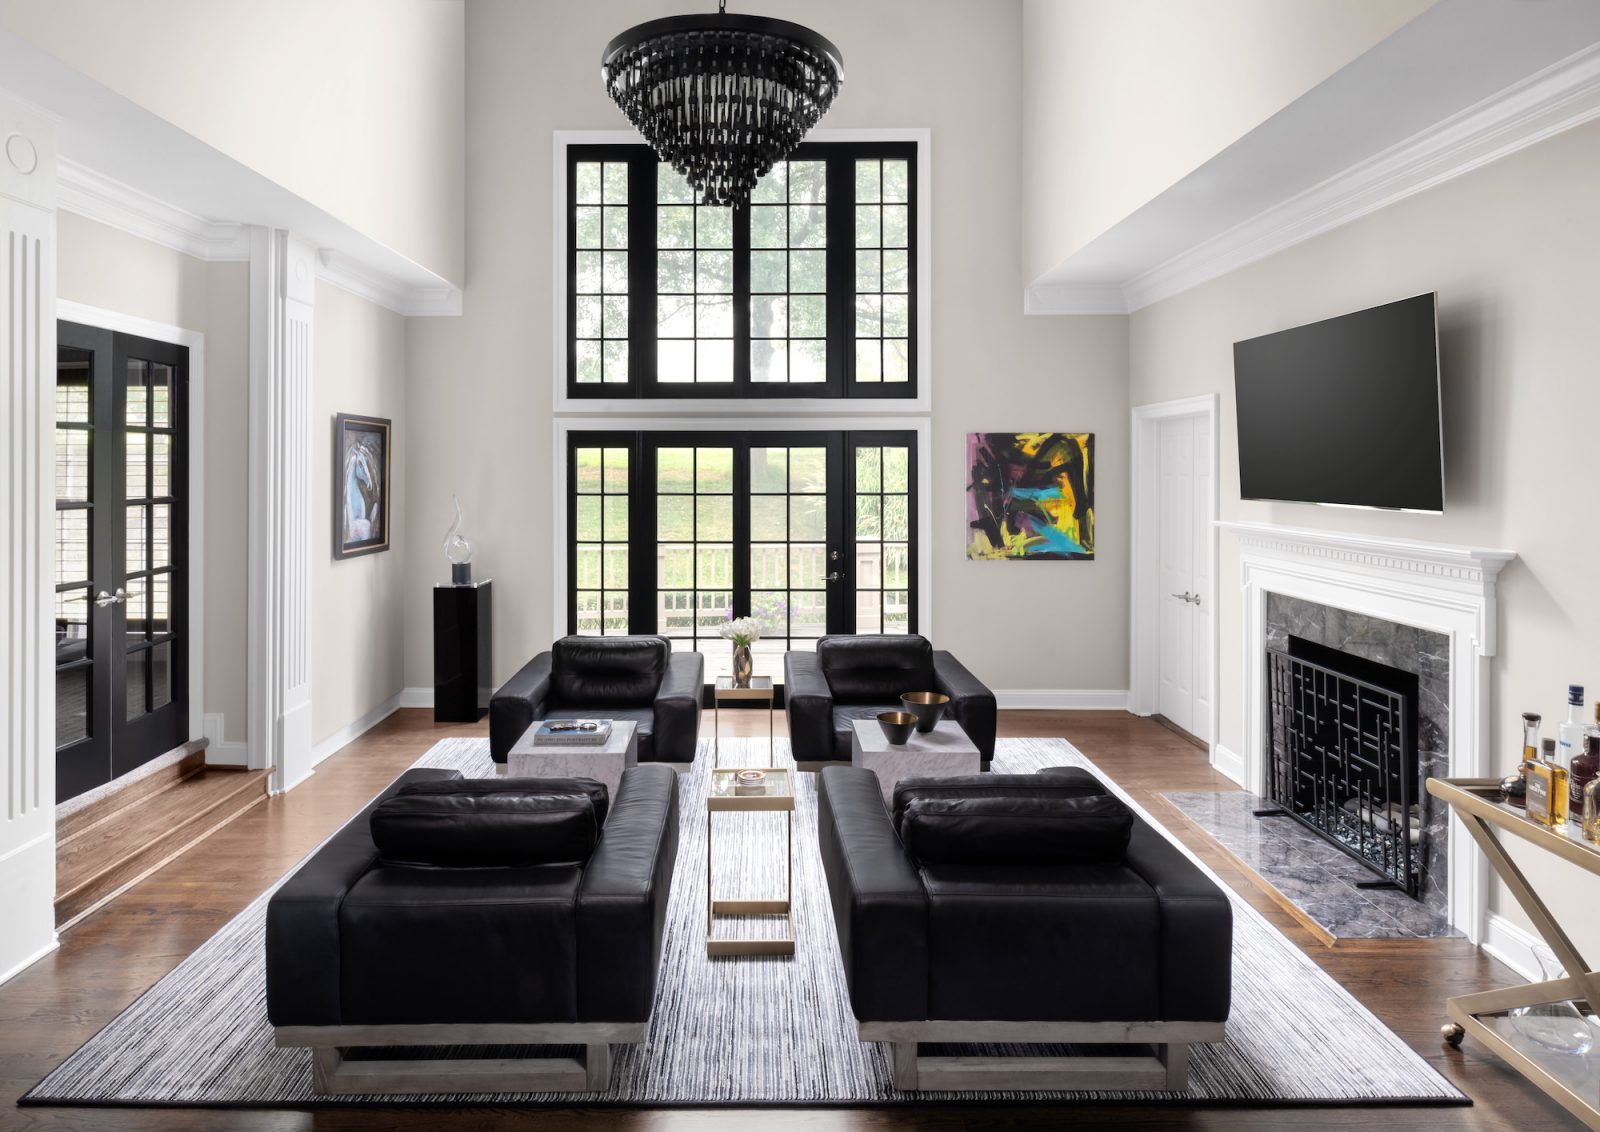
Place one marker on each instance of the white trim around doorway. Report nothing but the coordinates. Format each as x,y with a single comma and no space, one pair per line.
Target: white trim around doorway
195,342
1145,587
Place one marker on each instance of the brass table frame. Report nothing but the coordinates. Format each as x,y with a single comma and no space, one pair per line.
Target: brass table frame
752,803
761,688
1476,803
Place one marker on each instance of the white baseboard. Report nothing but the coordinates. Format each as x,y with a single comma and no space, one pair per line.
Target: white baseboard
1063,699
1513,945
54,943
220,752
416,697
350,732
1228,763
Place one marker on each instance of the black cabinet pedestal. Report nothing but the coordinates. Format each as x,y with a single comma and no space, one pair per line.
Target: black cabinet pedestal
463,645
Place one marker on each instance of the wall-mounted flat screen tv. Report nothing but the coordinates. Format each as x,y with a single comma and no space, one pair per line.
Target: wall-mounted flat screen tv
1345,411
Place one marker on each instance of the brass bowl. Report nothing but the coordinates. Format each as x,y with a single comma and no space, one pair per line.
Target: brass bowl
928,707
897,726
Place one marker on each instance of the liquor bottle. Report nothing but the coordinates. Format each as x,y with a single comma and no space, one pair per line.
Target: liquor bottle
1547,788
1591,811
1586,763
1514,787
1569,734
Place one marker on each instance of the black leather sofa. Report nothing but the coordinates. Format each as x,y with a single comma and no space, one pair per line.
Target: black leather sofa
857,676
500,912
1021,909
637,678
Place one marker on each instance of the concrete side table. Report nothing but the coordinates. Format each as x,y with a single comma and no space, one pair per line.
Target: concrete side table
528,759
943,752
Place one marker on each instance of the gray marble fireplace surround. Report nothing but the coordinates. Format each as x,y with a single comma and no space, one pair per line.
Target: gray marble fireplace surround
1423,653
1319,878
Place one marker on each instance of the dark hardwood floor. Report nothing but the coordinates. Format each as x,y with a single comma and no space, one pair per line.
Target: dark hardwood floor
106,961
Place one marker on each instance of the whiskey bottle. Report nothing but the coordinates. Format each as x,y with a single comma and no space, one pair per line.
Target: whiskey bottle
1547,788
1514,787
1586,763
1591,811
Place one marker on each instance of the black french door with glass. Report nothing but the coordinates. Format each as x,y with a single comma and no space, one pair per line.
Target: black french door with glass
121,585
810,532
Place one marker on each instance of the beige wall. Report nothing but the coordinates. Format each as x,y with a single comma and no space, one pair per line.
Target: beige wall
106,268
1122,100
482,381
357,607
354,105
1511,250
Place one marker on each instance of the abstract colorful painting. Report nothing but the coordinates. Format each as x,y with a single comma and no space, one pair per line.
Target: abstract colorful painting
1030,495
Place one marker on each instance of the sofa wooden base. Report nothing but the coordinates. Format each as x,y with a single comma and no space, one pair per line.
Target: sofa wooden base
1167,1069
335,1072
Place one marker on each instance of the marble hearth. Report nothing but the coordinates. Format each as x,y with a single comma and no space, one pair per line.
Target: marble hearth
1425,608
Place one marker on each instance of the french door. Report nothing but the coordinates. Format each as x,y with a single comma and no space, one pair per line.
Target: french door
121,585
810,532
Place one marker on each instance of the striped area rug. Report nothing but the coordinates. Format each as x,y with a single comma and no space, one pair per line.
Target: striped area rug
743,1031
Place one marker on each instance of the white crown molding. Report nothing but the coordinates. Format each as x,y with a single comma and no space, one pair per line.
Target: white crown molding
110,202
1074,298
1558,98
347,274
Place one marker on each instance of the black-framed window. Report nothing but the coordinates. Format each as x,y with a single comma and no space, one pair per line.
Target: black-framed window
811,532
807,292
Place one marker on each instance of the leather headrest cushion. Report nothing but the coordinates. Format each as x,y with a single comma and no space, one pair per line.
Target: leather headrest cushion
480,824
607,671
1017,831
870,668
1065,782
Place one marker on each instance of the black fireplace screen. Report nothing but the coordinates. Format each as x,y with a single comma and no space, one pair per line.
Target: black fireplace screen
1344,763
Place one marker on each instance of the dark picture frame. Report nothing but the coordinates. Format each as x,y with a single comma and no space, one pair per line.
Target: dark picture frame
362,484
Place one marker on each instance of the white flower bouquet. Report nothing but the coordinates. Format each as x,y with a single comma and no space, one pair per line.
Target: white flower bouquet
742,631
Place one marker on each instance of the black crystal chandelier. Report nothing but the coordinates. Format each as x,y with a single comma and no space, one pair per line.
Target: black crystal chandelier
721,98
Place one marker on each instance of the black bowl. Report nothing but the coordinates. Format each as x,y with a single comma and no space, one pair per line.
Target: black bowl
928,707
897,726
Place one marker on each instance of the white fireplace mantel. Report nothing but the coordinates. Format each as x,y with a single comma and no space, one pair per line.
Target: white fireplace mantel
1443,587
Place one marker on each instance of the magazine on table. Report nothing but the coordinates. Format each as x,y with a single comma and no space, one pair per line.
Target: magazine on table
574,732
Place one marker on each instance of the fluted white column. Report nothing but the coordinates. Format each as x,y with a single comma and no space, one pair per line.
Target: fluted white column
282,298
27,531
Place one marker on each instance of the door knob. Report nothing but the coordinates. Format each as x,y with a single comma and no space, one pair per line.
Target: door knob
1184,597
834,576
103,599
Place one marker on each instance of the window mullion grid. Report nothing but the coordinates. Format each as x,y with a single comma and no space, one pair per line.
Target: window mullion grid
741,523
642,310
741,302
641,536
841,207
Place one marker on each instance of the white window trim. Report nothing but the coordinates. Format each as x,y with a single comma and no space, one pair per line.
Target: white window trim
819,406
195,343
922,426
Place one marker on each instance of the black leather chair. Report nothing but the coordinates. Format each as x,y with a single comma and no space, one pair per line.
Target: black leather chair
637,678
1021,909
857,676
504,912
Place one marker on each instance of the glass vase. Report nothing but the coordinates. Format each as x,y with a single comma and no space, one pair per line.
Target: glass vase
743,666
1557,1026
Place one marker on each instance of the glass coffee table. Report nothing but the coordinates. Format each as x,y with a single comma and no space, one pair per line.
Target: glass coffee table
760,690
776,795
